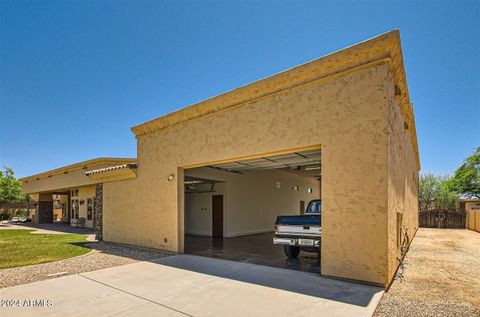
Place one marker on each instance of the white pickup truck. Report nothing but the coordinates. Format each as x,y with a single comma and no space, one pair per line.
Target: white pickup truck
300,233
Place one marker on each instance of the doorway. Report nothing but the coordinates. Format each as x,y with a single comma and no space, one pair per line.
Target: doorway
217,216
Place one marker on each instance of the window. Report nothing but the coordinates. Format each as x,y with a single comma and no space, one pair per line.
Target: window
310,190
75,208
89,208
315,206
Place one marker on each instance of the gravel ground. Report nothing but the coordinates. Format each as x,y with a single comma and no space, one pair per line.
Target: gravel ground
441,276
103,255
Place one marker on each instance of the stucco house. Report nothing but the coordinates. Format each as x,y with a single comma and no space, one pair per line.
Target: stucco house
339,128
66,194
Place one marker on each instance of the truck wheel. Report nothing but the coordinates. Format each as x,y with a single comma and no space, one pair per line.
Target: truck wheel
291,251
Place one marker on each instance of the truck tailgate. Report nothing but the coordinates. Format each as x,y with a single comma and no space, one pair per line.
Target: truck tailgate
307,225
299,230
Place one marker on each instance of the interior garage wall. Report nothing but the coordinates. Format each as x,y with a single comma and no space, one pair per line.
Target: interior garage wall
198,210
403,178
347,116
252,200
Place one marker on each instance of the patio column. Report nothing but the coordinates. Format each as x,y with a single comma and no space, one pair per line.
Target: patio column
44,209
98,212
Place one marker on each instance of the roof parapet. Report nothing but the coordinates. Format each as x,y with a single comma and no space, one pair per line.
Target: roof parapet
385,48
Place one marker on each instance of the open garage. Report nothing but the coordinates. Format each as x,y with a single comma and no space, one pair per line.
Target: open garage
231,208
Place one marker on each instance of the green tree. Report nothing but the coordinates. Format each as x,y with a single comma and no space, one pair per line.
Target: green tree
447,198
11,189
466,180
435,192
429,190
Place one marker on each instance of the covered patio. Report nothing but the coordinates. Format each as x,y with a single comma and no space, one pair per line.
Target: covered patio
72,194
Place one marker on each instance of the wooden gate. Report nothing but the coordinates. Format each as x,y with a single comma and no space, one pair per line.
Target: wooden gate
443,219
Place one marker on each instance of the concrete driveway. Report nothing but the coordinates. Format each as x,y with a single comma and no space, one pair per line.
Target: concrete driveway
187,285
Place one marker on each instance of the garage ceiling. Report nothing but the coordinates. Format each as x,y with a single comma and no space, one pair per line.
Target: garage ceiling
294,160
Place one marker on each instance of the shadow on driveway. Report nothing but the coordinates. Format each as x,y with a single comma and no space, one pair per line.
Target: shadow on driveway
305,283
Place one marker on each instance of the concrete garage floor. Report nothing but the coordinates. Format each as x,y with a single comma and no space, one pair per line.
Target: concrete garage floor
256,249
187,285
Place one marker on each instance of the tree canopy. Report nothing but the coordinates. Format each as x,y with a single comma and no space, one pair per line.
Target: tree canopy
466,180
435,192
11,189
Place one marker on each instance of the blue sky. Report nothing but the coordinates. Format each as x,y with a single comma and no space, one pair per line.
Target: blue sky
76,75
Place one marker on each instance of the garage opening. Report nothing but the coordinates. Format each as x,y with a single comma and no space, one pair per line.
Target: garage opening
231,210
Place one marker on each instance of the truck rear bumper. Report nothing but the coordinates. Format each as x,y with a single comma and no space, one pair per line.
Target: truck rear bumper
301,242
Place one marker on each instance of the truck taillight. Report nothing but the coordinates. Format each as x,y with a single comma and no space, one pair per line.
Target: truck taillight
276,228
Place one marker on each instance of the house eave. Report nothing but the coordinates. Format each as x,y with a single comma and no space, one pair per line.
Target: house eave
80,165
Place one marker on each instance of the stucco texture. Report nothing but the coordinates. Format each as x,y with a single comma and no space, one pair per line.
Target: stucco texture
348,117
402,183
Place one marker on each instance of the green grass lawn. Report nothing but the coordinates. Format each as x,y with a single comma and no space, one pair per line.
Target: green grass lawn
21,247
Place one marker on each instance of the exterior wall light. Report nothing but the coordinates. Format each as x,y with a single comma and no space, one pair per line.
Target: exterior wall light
170,177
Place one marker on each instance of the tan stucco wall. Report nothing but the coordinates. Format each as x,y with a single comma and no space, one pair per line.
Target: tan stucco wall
402,182
347,116
124,215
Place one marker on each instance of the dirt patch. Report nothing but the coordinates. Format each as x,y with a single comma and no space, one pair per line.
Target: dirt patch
440,276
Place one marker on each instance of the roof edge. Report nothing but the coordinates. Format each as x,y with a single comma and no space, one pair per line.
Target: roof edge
78,165
306,72
386,46
112,168
113,173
